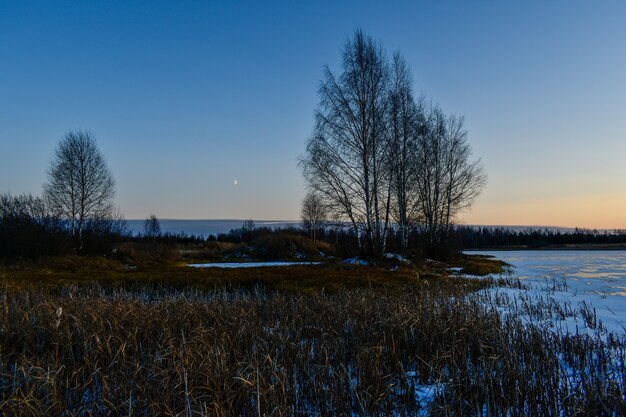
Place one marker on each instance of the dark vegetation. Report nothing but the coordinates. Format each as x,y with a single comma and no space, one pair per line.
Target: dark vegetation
90,336
126,328
29,230
469,237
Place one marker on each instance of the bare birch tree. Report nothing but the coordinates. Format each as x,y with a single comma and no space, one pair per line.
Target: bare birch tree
377,155
448,180
345,160
80,185
313,214
465,177
406,122
152,227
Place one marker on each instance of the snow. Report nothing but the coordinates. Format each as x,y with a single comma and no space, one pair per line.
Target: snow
397,257
355,261
249,264
424,393
584,290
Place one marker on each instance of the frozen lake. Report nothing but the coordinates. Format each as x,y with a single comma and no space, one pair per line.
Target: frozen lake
594,271
591,278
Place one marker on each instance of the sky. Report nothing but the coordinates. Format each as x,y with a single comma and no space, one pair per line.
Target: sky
186,97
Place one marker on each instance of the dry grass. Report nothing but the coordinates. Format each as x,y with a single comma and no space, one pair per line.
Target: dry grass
298,341
110,274
480,265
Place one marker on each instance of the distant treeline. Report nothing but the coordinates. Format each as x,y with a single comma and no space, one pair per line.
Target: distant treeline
30,229
471,237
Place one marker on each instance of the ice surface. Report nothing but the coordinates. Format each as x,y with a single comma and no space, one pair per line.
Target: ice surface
591,284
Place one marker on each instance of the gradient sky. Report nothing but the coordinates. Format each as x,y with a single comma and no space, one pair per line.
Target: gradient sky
185,97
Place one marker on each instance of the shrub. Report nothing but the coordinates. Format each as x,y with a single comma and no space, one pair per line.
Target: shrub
146,253
288,246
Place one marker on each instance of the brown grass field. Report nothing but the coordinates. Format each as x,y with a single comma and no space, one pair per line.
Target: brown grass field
95,337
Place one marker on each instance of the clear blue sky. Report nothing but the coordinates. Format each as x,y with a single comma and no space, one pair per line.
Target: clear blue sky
186,97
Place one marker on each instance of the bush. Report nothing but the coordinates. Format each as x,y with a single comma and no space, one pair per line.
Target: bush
287,246
481,265
146,253
29,230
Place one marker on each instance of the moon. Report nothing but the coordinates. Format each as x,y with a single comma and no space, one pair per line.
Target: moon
235,182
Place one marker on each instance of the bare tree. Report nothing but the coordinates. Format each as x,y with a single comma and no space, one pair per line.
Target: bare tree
313,214
377,155
152,227
406,121
345,160
248,226
448,180
465,177
80,185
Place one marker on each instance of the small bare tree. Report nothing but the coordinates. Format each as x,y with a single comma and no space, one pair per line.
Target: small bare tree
152,227
80,185
248,226
314,214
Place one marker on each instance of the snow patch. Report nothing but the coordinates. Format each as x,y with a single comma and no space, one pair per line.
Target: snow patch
397,257
356,261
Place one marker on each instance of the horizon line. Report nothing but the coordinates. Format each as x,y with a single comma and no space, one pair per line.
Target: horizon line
458,224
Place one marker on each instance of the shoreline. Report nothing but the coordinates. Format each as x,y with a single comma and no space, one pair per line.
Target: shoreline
582,247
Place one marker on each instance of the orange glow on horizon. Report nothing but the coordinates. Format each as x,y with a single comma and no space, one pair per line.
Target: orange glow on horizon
591,212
